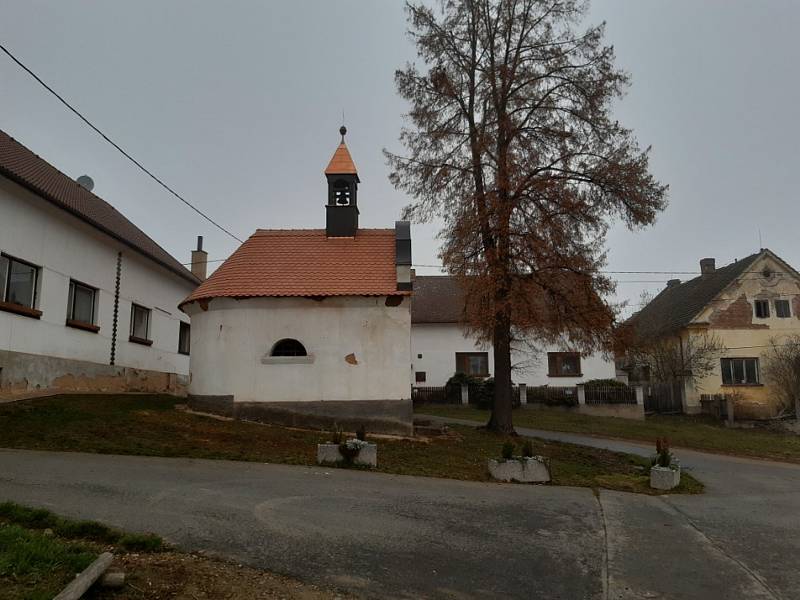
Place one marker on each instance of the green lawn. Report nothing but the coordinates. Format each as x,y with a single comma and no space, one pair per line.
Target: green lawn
700,433
149,425
41,552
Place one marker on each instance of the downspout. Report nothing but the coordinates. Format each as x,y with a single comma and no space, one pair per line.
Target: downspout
116,311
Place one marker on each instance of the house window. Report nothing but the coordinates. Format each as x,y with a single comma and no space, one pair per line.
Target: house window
564,364
419,376
18,281
288,347
740,371
475,364
783,309
762,309
184,338
81,303
140,324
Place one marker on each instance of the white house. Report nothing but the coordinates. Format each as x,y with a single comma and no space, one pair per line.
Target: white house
88,302
309,327
441,347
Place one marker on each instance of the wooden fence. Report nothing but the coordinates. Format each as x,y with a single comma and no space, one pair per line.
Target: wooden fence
715,405
664,398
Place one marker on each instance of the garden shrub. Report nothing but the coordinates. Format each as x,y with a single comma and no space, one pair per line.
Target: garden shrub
508,451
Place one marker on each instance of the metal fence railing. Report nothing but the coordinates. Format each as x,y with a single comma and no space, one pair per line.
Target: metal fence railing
552,396
444,394
609,395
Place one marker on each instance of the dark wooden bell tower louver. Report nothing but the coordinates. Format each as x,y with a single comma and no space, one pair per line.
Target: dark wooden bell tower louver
341,219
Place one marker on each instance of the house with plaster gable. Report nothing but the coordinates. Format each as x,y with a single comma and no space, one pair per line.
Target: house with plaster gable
88,301
748,305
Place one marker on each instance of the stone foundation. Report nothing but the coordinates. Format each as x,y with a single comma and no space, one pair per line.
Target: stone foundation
395,417
30,375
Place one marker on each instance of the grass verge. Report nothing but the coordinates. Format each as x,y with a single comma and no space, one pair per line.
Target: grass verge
149,425
41,552
698,432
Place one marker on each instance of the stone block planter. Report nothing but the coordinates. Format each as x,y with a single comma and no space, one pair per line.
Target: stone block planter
523,470
665,478
330,454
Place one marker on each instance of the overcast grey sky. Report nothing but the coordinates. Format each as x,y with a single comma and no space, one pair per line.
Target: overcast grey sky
237,106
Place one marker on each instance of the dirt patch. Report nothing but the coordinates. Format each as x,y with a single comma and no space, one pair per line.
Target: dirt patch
176,576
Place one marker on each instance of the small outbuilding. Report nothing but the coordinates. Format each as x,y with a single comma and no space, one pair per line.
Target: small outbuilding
309,327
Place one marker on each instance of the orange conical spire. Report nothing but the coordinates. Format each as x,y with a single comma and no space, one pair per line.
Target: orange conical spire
341,161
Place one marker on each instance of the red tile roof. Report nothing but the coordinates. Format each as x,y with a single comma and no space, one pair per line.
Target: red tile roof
40,177
305,262
341,162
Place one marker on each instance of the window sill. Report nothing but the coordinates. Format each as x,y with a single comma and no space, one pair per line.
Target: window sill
20,309
565,375
183,353
138,340
82,325
739,385
287,360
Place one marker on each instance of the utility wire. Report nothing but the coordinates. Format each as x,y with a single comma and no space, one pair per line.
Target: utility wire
110,141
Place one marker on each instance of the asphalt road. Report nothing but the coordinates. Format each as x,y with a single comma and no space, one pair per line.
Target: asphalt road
384,536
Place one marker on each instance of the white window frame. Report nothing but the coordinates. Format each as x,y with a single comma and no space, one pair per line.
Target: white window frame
71,301
149,313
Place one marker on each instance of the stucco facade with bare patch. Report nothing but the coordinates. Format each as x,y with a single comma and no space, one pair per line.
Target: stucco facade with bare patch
745,306
44,350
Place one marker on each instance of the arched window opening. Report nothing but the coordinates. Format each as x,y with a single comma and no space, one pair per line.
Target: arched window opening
288,347
341,192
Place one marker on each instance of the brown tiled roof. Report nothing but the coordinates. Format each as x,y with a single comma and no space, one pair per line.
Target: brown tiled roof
40,177
305,262
341,162
437,299
677,305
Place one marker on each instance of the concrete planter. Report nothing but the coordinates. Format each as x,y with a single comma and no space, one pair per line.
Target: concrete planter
524,470
664,478
329,454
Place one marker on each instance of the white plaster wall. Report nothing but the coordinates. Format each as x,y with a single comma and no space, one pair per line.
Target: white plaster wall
439,342
231,337
65,247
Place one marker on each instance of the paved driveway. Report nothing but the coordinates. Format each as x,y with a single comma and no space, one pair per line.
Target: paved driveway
385,536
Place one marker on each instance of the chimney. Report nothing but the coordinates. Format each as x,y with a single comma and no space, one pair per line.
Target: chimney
673,282
402,237
708,266
199,260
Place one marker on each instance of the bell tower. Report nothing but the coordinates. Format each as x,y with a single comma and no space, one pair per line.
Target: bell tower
341,211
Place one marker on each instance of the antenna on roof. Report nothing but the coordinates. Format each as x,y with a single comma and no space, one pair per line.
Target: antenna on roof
85,182
760,243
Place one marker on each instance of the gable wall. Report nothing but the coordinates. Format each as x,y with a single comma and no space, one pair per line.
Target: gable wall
732,319
360,349
438,343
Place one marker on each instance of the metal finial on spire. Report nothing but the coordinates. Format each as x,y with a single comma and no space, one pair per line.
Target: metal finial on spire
343,131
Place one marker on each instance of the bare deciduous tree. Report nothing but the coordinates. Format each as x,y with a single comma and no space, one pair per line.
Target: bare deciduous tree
670,357
782,370
511,142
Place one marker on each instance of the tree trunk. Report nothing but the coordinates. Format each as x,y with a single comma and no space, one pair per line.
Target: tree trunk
501,419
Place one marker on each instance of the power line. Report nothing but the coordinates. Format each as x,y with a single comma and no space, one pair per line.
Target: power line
123,152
